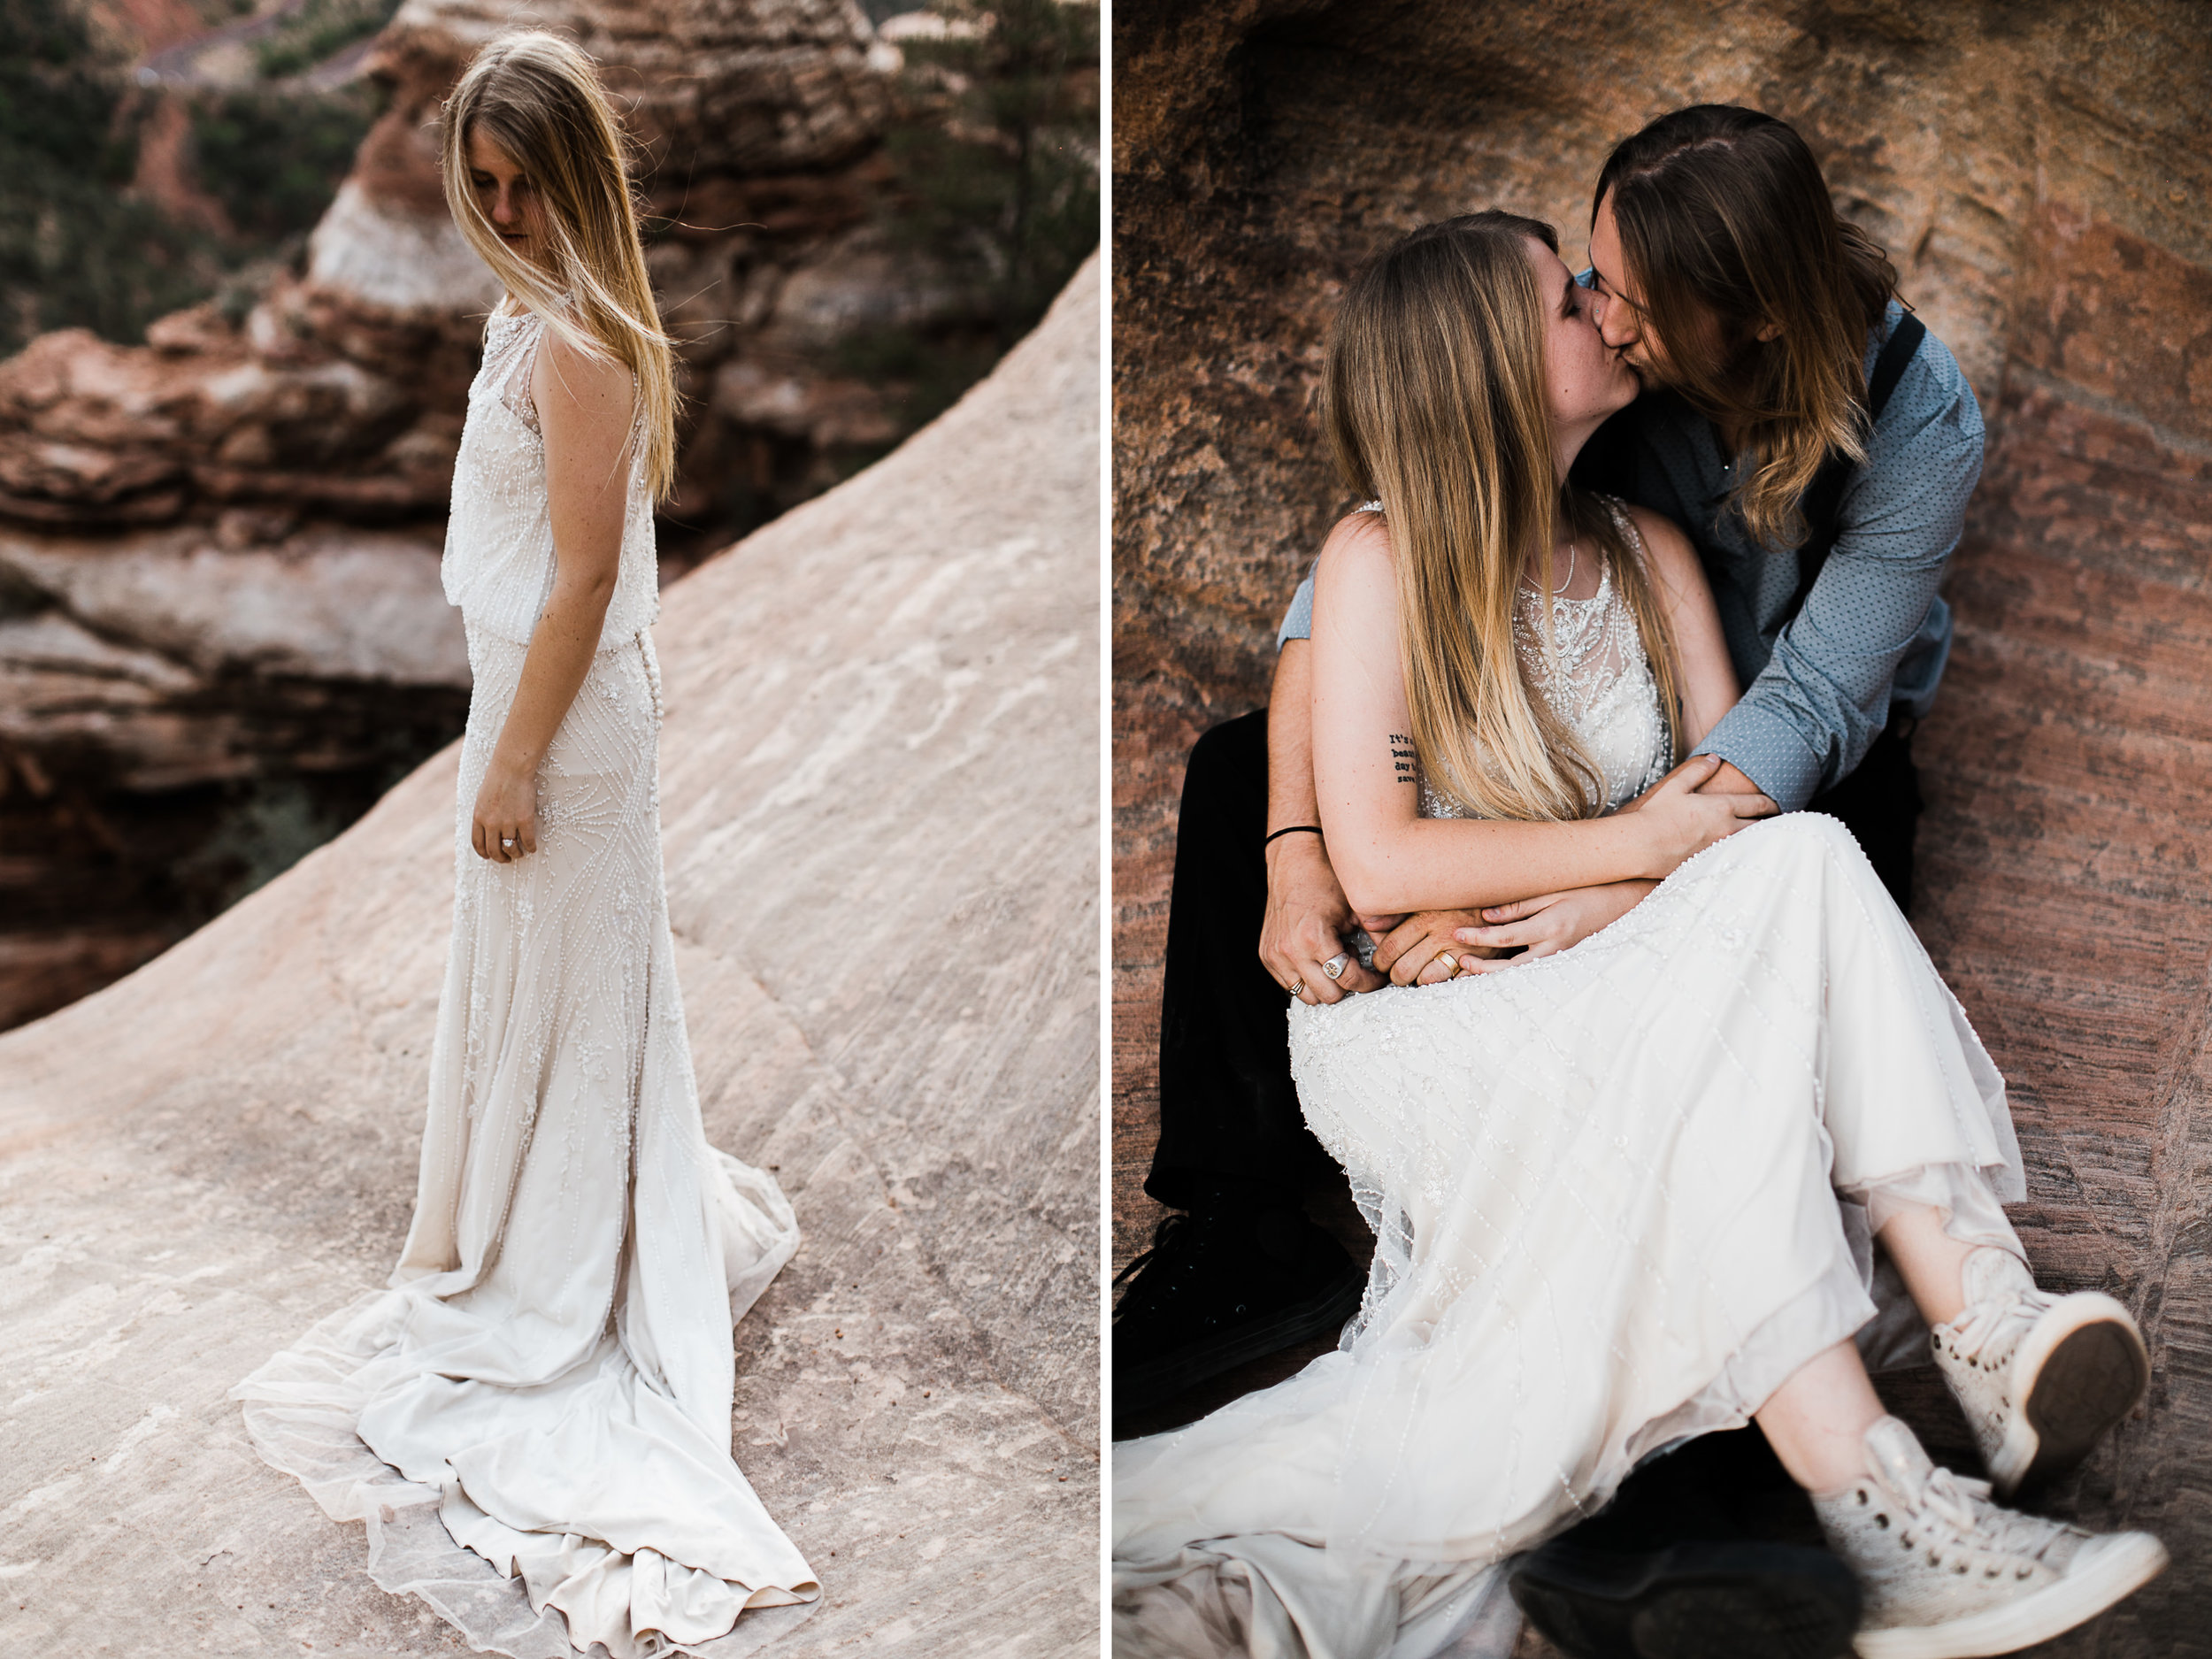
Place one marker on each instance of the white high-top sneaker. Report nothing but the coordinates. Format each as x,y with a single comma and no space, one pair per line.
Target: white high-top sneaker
2040,1377
1947,1574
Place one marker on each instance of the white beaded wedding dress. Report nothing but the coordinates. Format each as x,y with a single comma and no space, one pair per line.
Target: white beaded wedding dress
1618,1196
534,1422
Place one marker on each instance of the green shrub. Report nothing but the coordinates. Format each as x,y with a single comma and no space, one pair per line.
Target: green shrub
274,157
997,158
319,30
74,251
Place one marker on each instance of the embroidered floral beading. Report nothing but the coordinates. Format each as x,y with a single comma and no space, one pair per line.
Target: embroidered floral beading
499,561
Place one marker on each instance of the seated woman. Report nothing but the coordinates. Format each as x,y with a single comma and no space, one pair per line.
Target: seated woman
1625,1193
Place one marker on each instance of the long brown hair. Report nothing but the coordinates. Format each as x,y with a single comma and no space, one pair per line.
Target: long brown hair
538,97
1723,213
1434,401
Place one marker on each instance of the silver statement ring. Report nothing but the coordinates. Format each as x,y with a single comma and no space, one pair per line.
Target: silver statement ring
1334,966
1297,987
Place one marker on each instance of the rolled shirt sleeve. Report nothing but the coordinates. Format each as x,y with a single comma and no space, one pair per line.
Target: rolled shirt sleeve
1298,621
1873,631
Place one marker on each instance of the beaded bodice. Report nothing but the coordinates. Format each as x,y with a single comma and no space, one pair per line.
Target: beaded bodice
1595,675
499,562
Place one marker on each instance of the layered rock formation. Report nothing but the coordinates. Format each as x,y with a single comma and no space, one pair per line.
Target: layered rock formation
879,801
260,467
2040,174
339,392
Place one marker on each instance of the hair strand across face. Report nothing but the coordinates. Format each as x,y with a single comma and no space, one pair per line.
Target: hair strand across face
539,98
1435,399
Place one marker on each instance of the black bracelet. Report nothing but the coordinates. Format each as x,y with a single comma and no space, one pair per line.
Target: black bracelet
1292,830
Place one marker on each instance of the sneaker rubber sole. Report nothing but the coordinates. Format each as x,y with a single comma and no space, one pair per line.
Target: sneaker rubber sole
1691,1600
1141,1388
2079,1371
2125,1563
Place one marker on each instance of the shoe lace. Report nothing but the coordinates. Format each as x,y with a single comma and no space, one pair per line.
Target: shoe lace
1963,1505
1162,1236
1993,1329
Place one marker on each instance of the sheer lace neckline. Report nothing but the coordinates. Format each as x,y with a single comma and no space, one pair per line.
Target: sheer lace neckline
1593,672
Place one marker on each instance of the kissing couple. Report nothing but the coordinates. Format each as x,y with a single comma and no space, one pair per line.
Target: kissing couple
1594,720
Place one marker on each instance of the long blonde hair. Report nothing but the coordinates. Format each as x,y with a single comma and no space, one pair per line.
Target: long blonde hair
1723,213
1434,401
539,98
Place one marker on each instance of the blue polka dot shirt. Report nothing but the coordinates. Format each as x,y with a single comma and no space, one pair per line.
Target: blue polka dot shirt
1874,634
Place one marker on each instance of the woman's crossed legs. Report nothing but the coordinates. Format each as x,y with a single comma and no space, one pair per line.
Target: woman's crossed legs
1944,1571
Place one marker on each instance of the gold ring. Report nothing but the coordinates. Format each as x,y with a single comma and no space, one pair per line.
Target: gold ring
1297,987
1450,959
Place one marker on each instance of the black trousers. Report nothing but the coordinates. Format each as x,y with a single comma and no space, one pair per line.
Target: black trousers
1228,1110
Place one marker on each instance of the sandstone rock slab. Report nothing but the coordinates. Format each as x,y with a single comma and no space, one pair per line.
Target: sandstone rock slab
879,788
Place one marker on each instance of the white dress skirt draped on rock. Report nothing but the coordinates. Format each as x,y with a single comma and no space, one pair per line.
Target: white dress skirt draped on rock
534,1421
1619,1195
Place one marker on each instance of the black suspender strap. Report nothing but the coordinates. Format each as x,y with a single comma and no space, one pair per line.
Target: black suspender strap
1889,368
1825,500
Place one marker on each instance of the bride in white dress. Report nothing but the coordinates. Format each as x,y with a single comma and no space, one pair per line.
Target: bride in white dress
547,1383
1629,1191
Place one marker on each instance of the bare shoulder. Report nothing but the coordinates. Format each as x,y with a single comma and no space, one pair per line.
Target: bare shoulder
1666,549
1358,545
582,390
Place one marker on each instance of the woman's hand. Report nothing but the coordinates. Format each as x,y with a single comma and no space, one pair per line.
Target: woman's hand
1307,919
1679,819
505,824
1546,924
584,407
1415,951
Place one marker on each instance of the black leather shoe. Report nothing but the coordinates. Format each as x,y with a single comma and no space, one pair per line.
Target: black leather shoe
1707,1553
1224,1285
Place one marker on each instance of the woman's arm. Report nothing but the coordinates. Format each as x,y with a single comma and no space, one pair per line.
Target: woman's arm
1307,917
585,410
1707,677
1388,857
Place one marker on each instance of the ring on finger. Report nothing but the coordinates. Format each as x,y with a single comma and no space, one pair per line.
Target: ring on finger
1297,987
1450,959
1334,966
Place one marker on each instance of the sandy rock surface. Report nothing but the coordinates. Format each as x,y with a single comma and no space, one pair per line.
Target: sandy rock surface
879,792
2039,173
